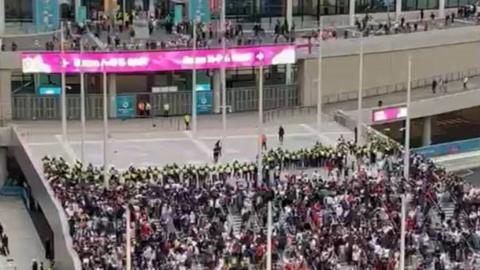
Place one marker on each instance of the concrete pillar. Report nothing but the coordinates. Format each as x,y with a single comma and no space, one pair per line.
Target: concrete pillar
2,16
5,95
441,8
307,82
151,7
3,166
217,91
112,94
398,9
427,131
351,12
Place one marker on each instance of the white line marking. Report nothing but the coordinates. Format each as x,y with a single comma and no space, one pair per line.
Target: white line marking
321,136
201,145
147,140
467,173
67,148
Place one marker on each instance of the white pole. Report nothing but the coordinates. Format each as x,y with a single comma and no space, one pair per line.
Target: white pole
124,19
402,234
360,94
82,109
288,70
63,97
105,131
269,237
194,80
222,73
128,241
406,157
260,123
319,81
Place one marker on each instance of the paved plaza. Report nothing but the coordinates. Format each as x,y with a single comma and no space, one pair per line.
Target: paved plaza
137,142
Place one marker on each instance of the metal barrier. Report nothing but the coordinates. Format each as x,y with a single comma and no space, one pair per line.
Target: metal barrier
398,87
34,107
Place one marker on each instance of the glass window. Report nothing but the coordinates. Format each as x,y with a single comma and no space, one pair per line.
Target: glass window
419,4
239,7
451,3
432,4
462,3
18,10
272,8
333,7
370,6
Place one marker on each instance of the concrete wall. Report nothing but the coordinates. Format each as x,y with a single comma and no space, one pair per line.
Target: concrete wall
65,256
340,73
5,96
430,106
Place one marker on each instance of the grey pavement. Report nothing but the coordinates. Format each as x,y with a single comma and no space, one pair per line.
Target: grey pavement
138,143
25,245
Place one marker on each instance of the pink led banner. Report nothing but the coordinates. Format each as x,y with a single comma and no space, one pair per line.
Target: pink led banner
389,114
115,62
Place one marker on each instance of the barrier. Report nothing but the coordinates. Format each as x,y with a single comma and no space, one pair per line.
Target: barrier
399,87
34,107
450,148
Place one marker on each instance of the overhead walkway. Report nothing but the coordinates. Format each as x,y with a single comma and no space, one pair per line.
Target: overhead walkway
461,161
399,98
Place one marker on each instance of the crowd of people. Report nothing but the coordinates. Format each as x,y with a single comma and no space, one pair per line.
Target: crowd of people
332,206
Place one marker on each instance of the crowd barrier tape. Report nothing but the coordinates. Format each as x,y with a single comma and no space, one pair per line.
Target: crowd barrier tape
450,148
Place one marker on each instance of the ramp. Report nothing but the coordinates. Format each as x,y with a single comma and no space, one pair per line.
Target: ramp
65,256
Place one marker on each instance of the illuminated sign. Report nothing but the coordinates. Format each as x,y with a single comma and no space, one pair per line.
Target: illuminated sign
49,90
73,62
389,114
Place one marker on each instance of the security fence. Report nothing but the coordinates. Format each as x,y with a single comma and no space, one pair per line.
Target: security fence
35,107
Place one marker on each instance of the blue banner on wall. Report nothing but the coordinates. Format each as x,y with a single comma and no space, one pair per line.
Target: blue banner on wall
126,106
449,148
204,101
46,15
199,10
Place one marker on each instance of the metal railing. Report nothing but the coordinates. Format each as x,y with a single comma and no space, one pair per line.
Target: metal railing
400,87
34,107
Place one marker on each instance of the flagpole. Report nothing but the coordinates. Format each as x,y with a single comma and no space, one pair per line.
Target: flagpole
360,94
194,80
223,72
260,123
319,81
402,233
63,98
269,237
128,240
406,157
82,110
105,132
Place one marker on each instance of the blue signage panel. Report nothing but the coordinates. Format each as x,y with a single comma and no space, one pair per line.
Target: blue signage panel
46,15
126,106
81,15
204,101
198,10
49,90
449,148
